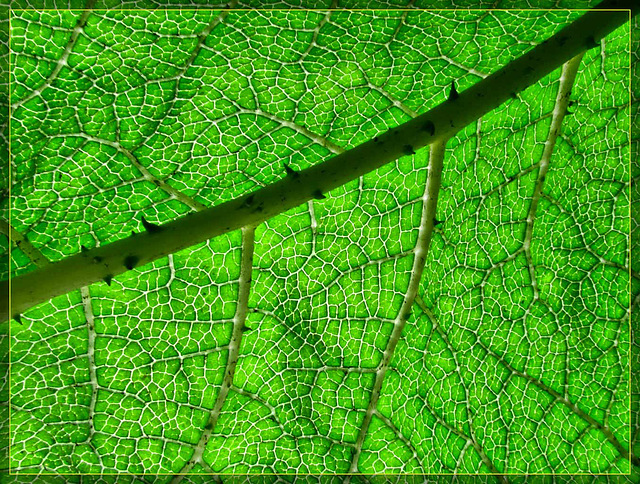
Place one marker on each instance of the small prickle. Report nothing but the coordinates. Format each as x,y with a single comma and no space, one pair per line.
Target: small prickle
291,172
429,127
408,150
318,195
453,94
150,227
130,261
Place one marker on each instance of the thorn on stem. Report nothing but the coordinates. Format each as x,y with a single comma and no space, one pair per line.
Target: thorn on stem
453,94
318,195
408,150
291,172
429,127
150,227
248,201
130,261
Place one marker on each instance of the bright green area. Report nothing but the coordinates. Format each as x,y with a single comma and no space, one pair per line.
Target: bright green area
513,360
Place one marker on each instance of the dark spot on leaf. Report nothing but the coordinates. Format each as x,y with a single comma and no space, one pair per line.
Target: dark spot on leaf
244,329
571,103
156,182
407,315
567,112
318,195
97,259
18,318
429,127
436,222
248,201
107,279
209,426
408,150
453,94
130,261
291,172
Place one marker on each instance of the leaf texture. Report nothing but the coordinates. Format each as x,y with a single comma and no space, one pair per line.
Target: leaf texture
368,330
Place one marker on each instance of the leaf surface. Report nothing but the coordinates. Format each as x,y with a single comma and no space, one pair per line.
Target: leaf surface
320,342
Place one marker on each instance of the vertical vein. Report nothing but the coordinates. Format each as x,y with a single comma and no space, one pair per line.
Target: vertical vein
567,78
248,239
93,378
430,199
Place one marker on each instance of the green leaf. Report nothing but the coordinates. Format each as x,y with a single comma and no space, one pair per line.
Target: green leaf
462,309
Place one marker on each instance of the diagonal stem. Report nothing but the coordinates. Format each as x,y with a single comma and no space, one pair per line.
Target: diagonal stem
440,123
